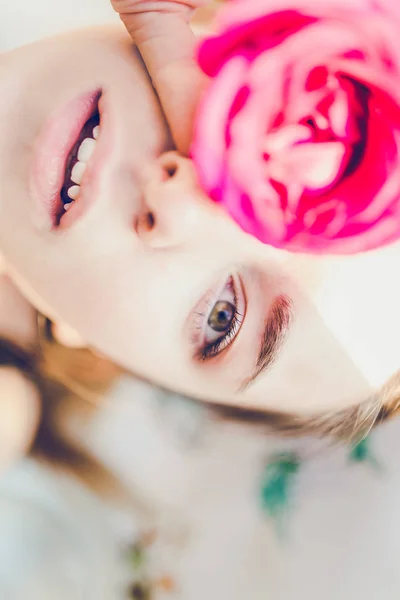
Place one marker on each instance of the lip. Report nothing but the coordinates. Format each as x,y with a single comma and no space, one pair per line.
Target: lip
51,151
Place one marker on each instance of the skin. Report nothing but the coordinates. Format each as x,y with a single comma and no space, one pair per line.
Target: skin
135,289
160,28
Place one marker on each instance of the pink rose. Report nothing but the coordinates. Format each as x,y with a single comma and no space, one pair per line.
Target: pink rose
298,134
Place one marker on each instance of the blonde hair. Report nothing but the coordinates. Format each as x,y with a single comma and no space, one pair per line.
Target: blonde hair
64,375
68,380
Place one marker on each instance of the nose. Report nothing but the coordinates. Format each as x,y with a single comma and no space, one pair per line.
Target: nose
172,203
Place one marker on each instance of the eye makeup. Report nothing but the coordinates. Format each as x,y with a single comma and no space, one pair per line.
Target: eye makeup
218,318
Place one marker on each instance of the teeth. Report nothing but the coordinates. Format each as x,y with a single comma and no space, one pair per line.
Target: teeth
73,192
78,171
86,149
68,206
85,152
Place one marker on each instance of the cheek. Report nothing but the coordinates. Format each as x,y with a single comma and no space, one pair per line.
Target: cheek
28,291
81,280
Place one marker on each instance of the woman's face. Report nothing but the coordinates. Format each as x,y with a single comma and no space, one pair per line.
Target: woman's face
153,274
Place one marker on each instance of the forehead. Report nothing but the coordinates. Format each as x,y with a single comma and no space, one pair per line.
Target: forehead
345,340
313,372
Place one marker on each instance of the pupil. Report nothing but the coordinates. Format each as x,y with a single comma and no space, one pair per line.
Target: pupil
221,316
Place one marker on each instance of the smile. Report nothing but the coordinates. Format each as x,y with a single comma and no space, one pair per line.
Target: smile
67,162
77,163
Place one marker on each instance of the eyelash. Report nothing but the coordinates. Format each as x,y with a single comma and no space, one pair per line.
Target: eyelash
214,348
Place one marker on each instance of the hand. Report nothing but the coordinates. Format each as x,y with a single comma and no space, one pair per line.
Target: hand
161,30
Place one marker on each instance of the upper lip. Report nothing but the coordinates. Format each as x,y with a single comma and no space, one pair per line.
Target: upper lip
51,151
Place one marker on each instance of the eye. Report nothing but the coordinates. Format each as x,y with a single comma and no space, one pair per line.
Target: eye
223,320
221,316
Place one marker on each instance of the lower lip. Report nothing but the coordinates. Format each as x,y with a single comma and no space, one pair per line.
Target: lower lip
51,151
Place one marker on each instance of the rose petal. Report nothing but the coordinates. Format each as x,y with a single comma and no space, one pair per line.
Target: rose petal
360,191
388,195
339,114
209,147
261,107
318,165
252,36
374,79
282,139
242,11
309,157
314,166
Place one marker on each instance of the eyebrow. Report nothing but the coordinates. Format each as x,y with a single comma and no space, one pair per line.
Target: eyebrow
278,323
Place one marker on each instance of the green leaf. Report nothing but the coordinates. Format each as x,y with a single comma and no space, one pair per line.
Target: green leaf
277,484
136,556
361,453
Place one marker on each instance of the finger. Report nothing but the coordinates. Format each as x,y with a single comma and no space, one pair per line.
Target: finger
168,47
142,6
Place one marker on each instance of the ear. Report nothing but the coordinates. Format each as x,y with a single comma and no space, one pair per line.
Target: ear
67,336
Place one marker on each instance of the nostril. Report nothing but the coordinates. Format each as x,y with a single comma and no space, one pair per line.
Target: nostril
145,222
170,166
171,170
150,221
